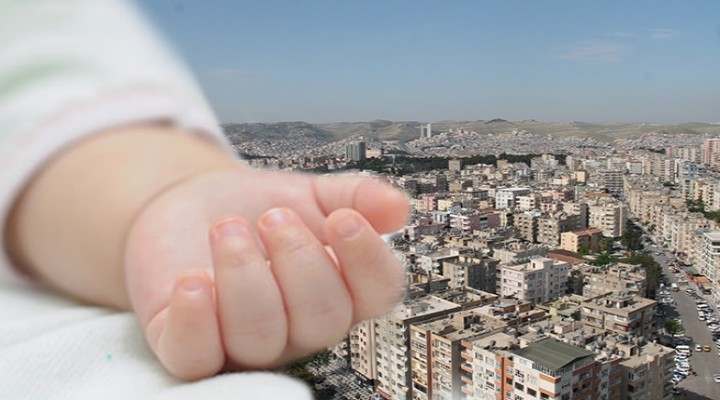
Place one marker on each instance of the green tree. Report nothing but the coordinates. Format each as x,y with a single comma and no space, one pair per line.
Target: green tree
632,240
653,271
604,258
605,244
672,327
583,250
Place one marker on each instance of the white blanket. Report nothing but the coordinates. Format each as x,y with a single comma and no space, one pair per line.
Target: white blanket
52,348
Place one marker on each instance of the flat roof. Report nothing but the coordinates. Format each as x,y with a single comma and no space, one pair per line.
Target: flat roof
552,354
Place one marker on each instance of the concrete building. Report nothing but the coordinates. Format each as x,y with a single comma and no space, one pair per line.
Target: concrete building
483,361
529,202
551,369
707,259
622,313
356,151
578,208
526,224
608,216
455,165
586,239
467,271
436,351
612,181
426,131
515,251
711,151
537,281
551,226
600,280
647,371
388,345
507,198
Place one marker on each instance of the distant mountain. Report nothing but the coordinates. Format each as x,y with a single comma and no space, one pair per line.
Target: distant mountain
408,130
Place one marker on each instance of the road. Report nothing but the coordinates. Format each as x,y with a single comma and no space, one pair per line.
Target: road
705,364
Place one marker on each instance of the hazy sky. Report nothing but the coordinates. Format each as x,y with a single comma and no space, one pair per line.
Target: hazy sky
359,60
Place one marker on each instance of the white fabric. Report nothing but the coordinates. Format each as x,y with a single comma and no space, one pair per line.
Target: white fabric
68,69
52,348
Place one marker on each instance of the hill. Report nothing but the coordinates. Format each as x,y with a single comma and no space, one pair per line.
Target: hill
404,131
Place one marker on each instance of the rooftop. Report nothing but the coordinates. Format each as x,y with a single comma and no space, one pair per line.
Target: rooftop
497,340
647,352
552,354
426,305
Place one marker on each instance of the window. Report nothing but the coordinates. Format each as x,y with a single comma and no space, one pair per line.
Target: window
531,392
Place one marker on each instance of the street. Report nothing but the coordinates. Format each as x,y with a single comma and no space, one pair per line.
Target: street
705,364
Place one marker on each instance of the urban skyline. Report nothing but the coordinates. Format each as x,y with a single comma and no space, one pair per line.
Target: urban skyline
551,270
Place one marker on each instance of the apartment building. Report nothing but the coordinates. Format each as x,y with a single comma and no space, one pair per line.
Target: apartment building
711,151
528,202
482,365
680,227
599,280
608,216
392,372
467,222
537,281
586,239
578,208
707,257
551,226
459,185
526,224
647,371
435,353
621,312
356,151
515,251
612,181
629,367
467,271
507,198
551,369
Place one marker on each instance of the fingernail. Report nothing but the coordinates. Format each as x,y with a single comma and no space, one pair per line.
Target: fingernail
191,284
275,217
348,227
231,228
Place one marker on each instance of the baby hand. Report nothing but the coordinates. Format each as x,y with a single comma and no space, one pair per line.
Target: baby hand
285,286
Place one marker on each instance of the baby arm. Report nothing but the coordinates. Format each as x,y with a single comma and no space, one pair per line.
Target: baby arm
225,266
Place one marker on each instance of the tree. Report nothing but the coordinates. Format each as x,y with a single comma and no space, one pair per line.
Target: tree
604,259
672,327
632,240
583,250
653,271
606,244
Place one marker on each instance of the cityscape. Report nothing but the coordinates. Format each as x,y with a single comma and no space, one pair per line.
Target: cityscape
554,268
